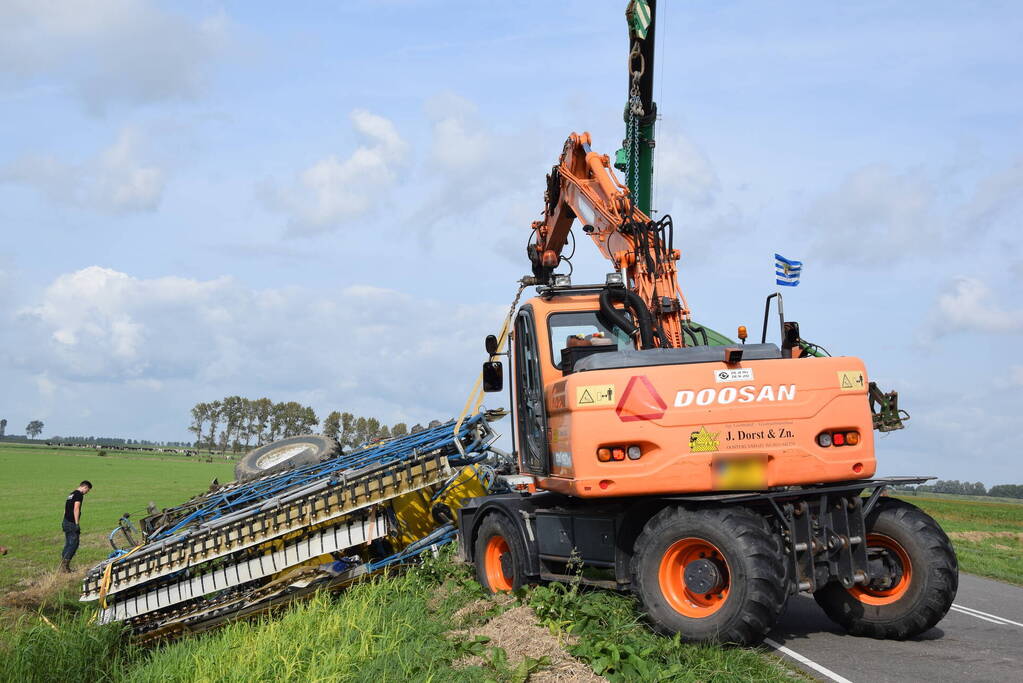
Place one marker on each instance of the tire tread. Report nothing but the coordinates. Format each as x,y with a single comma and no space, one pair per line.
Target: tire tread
766,590
942,580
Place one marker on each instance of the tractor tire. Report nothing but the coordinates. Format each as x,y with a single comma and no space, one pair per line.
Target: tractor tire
710,575
500,555
285,454
925,585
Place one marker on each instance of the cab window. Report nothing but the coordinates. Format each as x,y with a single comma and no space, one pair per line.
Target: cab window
582,328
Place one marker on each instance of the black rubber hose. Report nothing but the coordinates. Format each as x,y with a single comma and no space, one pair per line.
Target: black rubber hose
632,301
702,332
646,321
688,334
610,316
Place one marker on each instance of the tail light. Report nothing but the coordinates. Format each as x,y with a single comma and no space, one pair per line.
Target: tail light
619,453
838,438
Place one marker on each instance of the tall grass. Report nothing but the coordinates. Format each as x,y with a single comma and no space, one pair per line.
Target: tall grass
382,630
391,628
70,649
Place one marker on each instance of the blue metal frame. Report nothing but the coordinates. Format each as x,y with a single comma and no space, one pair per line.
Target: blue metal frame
237,498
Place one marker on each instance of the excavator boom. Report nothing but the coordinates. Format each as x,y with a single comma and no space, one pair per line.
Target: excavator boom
582,186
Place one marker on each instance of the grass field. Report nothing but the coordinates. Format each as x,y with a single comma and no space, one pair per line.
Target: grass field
988,537
910,495
430,623
37,479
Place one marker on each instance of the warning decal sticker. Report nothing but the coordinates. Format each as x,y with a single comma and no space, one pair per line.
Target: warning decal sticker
595,395
851,380
640,401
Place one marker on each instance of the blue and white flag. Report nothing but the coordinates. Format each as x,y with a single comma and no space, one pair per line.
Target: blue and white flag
787,271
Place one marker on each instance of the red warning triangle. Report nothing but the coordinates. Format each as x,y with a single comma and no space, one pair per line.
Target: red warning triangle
640,401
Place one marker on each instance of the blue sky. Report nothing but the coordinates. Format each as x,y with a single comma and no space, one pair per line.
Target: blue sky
329,203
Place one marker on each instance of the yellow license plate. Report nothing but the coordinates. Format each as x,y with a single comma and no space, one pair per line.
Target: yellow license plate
740,474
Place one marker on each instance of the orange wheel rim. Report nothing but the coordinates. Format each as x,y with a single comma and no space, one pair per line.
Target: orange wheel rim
671,575
870,596
496,549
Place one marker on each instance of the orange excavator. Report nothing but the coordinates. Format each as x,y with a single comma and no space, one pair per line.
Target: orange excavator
713,479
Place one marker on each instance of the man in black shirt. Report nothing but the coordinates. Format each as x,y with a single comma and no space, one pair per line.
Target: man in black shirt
72,516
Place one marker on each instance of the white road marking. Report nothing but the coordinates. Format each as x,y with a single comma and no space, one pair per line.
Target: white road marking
805,661
977,613
977,616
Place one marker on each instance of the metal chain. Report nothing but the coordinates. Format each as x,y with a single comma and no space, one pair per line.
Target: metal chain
634,55
632,153
635,112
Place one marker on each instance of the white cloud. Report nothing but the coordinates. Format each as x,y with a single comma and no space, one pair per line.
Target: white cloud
876,214
880,215
94,325
683,171
115,181
478,175
333,191
354,347
45,386
997,195
460,142
108,51
968,306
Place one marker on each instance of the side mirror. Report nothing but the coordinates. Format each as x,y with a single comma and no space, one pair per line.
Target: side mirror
491,344
493,376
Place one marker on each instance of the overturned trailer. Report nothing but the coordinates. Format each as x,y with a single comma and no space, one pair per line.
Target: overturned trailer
252,545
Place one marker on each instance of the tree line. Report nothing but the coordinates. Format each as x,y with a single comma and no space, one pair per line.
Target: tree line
351,431
965,488
239,423
32,429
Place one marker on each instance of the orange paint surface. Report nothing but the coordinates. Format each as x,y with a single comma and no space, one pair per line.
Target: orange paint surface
690,426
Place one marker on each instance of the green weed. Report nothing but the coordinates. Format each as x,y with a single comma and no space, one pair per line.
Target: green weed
613,640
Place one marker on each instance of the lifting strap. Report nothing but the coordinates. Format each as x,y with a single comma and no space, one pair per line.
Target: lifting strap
475,399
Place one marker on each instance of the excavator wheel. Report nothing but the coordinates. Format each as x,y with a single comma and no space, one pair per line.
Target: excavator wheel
500,555
710,575
924,576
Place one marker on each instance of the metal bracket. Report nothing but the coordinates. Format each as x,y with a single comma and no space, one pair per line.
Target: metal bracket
887,416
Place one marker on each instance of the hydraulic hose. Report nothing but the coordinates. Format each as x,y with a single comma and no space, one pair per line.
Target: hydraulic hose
633,302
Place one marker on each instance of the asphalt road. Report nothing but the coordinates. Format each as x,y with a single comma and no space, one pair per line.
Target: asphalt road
980,639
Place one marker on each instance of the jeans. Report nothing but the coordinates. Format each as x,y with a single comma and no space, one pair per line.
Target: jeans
71,533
